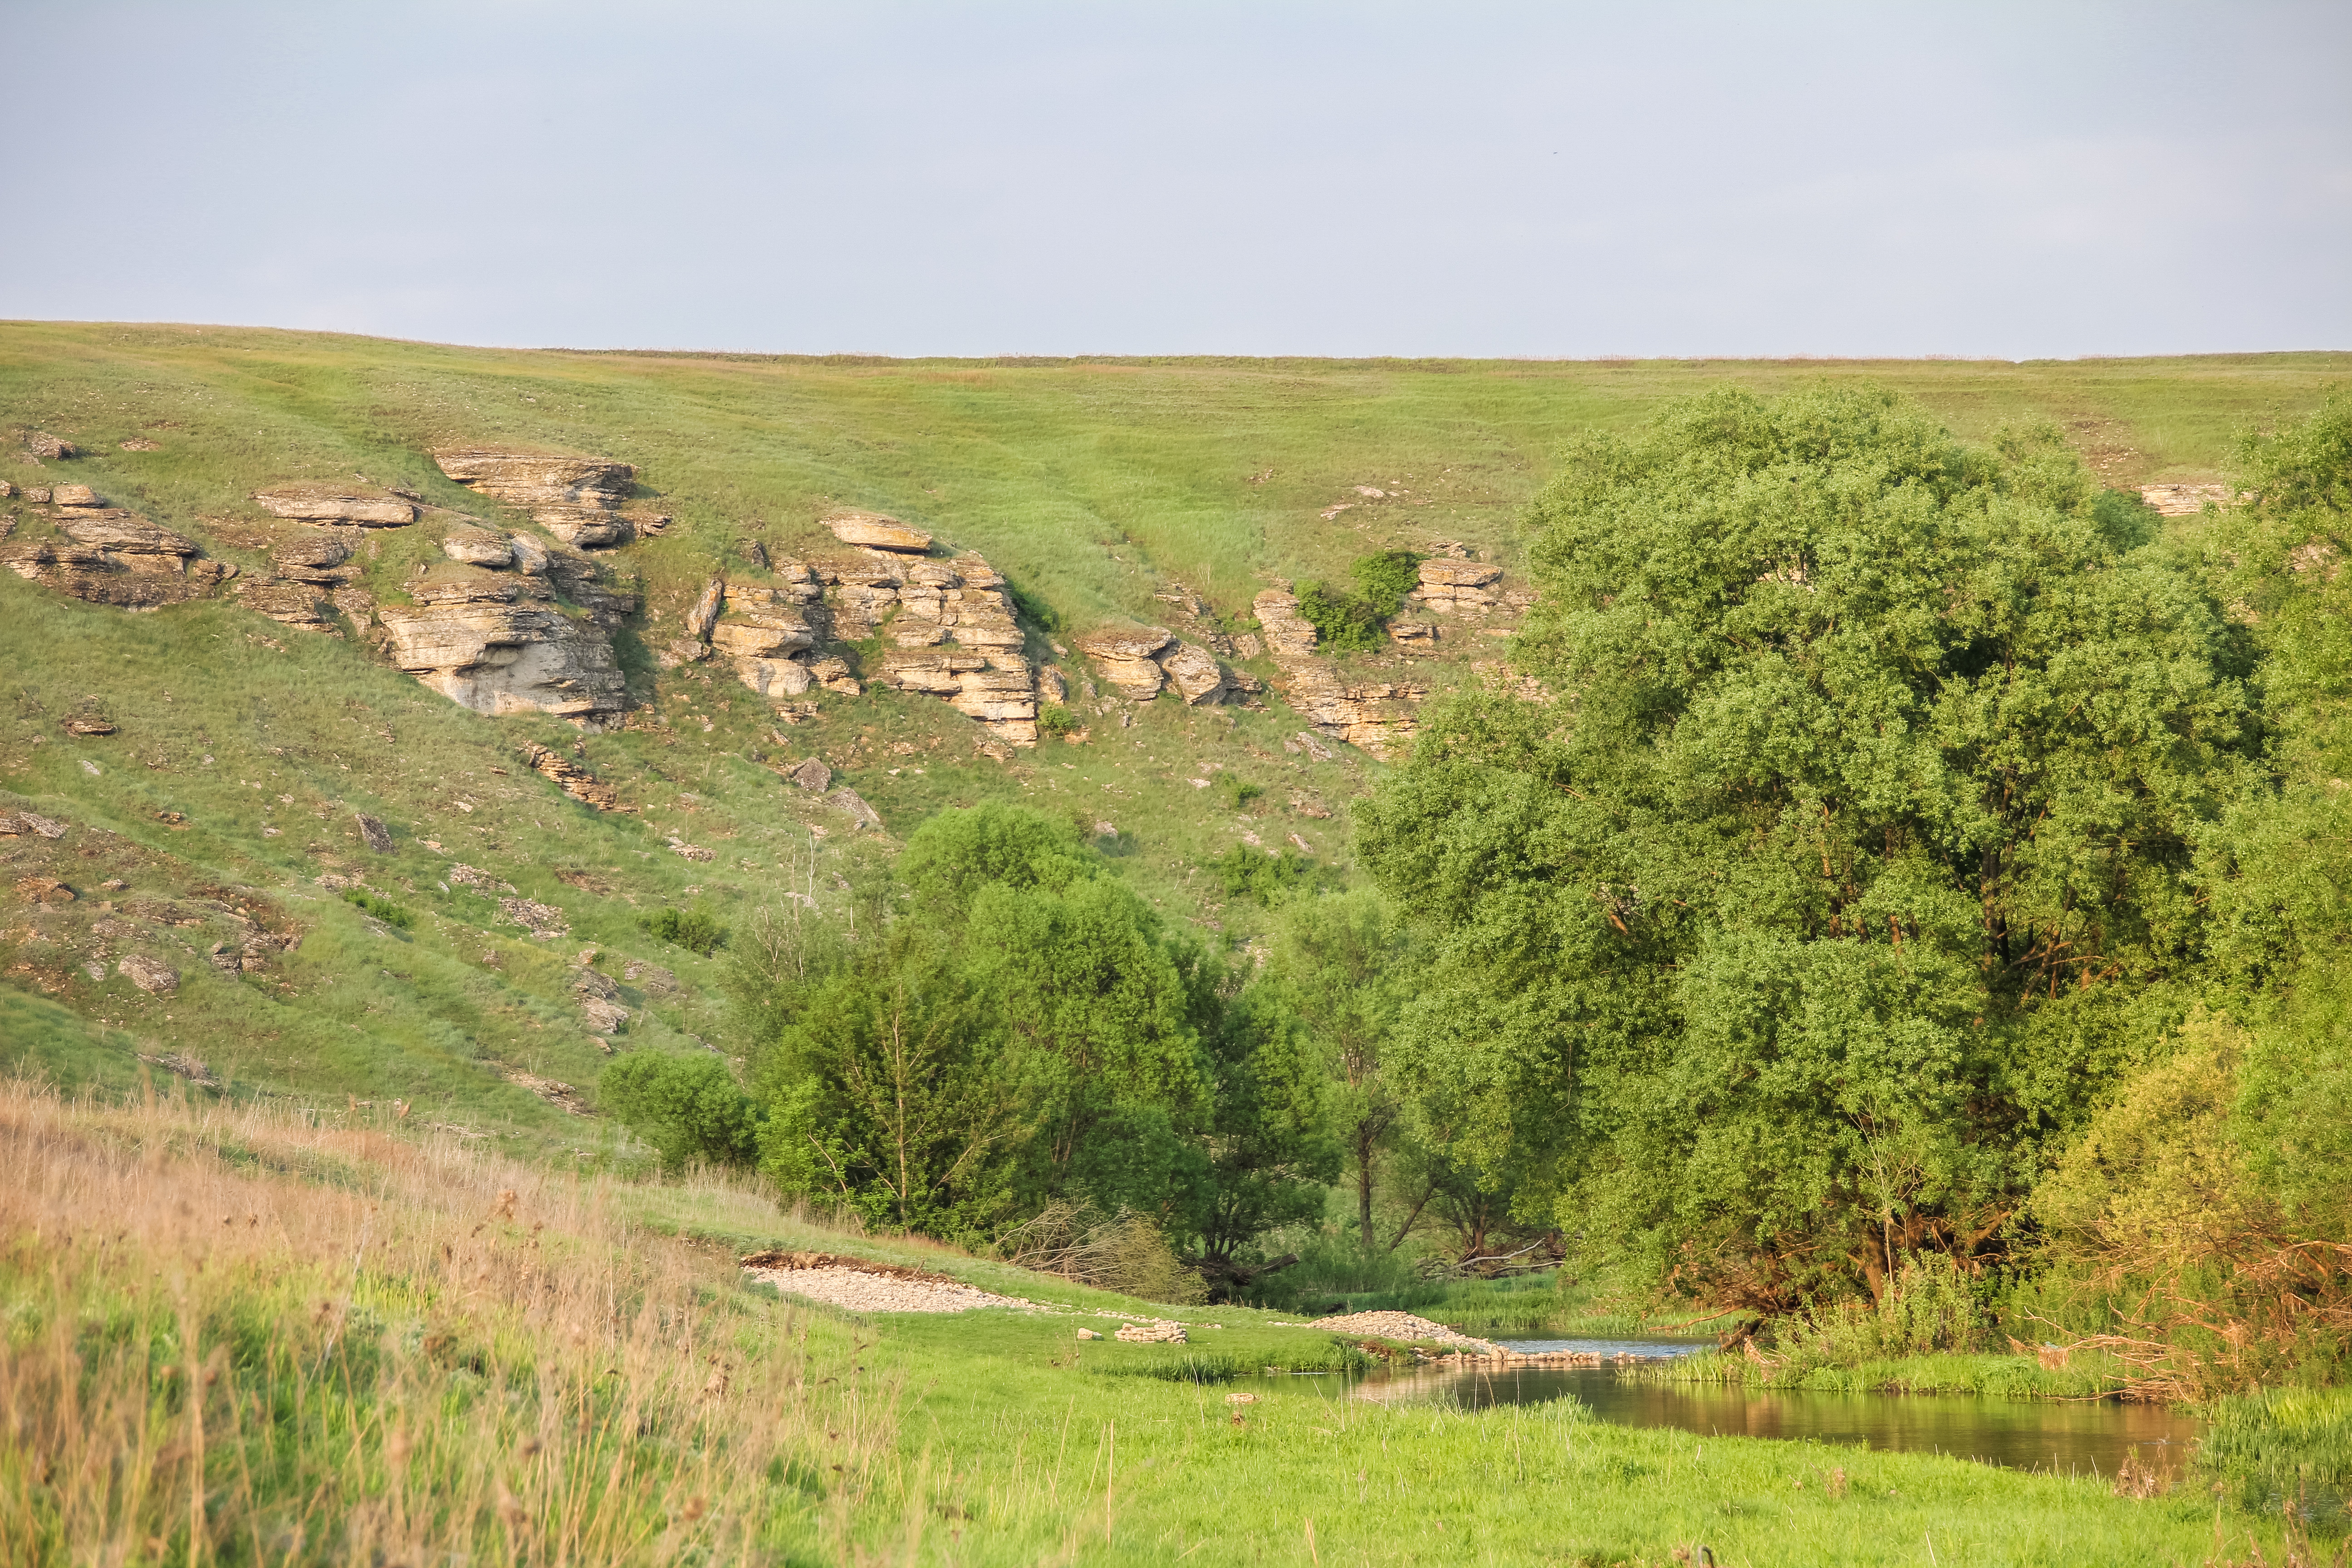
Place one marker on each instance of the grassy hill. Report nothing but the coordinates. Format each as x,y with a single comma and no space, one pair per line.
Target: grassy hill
242,749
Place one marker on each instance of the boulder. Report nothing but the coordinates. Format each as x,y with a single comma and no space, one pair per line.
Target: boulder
130,582
775,677
318,557
835,675
13,824
876,532
1193,673
705,611
498,658
472,546
296,605
74,495
531,556
584,527
41,444
651,977
1123,657
449,582
359,506
44,890
373,833
813,774
1376,715
845,799
150,976
604,1017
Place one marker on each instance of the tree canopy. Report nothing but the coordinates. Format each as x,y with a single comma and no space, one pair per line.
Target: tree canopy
1851,849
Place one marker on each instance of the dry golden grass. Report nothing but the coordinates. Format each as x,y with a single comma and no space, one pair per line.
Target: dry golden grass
233,1337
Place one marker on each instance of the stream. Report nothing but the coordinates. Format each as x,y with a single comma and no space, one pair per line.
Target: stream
2017,1434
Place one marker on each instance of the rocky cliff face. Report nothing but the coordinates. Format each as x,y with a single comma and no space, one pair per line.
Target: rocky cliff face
578,499
366,506
109,556
1140,662
950,624
484,629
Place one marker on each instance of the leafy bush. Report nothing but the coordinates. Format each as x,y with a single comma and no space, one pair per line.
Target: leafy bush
1054,719
382,909
1249,873
1931,1306
1237,793
1350,622
1383,580
687,1108
696,930
1343,623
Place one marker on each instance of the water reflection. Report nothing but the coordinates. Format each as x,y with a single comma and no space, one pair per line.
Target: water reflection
2020,1434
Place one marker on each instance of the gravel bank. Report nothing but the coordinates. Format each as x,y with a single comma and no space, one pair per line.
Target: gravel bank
860,1291
1403,1326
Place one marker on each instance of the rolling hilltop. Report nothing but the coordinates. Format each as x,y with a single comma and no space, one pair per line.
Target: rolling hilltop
367,701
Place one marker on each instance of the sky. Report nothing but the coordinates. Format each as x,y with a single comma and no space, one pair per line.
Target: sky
1561,180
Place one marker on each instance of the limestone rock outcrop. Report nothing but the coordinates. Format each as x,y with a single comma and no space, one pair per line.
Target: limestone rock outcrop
1364,710
319,557
298,605
571,777
578,499
1458,587
1288,634
950,624
876,532
1140,662
112,556
491,636
363,506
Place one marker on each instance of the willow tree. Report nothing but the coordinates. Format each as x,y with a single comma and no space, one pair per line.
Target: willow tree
1850,853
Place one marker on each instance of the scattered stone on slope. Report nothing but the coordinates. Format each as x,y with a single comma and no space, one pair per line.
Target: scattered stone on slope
562,1096
41,444
544,922
876,532
845,799
1376,715
155,979
859,1285
366,506
74,496
1159,1331
13,824
44,890
813,774
373,833
652,977
88,719
575,498
571,777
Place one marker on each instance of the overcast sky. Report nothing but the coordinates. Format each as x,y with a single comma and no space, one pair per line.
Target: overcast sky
1448,178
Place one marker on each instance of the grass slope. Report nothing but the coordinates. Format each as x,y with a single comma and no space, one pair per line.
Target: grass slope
1092,484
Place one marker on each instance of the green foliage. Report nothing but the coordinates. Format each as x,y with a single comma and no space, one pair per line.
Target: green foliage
382,907
1055,720
1248,873
1777,948
1343,621
1384,578
1033,609
1930,1306
1350,620
1026,1031
697,929
688,1108
1237,792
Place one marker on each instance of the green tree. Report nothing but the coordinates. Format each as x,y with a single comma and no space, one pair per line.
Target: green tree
1849,856
1341,965
688,1108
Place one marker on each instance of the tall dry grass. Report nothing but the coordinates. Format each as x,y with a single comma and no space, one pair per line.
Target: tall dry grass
233,1337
